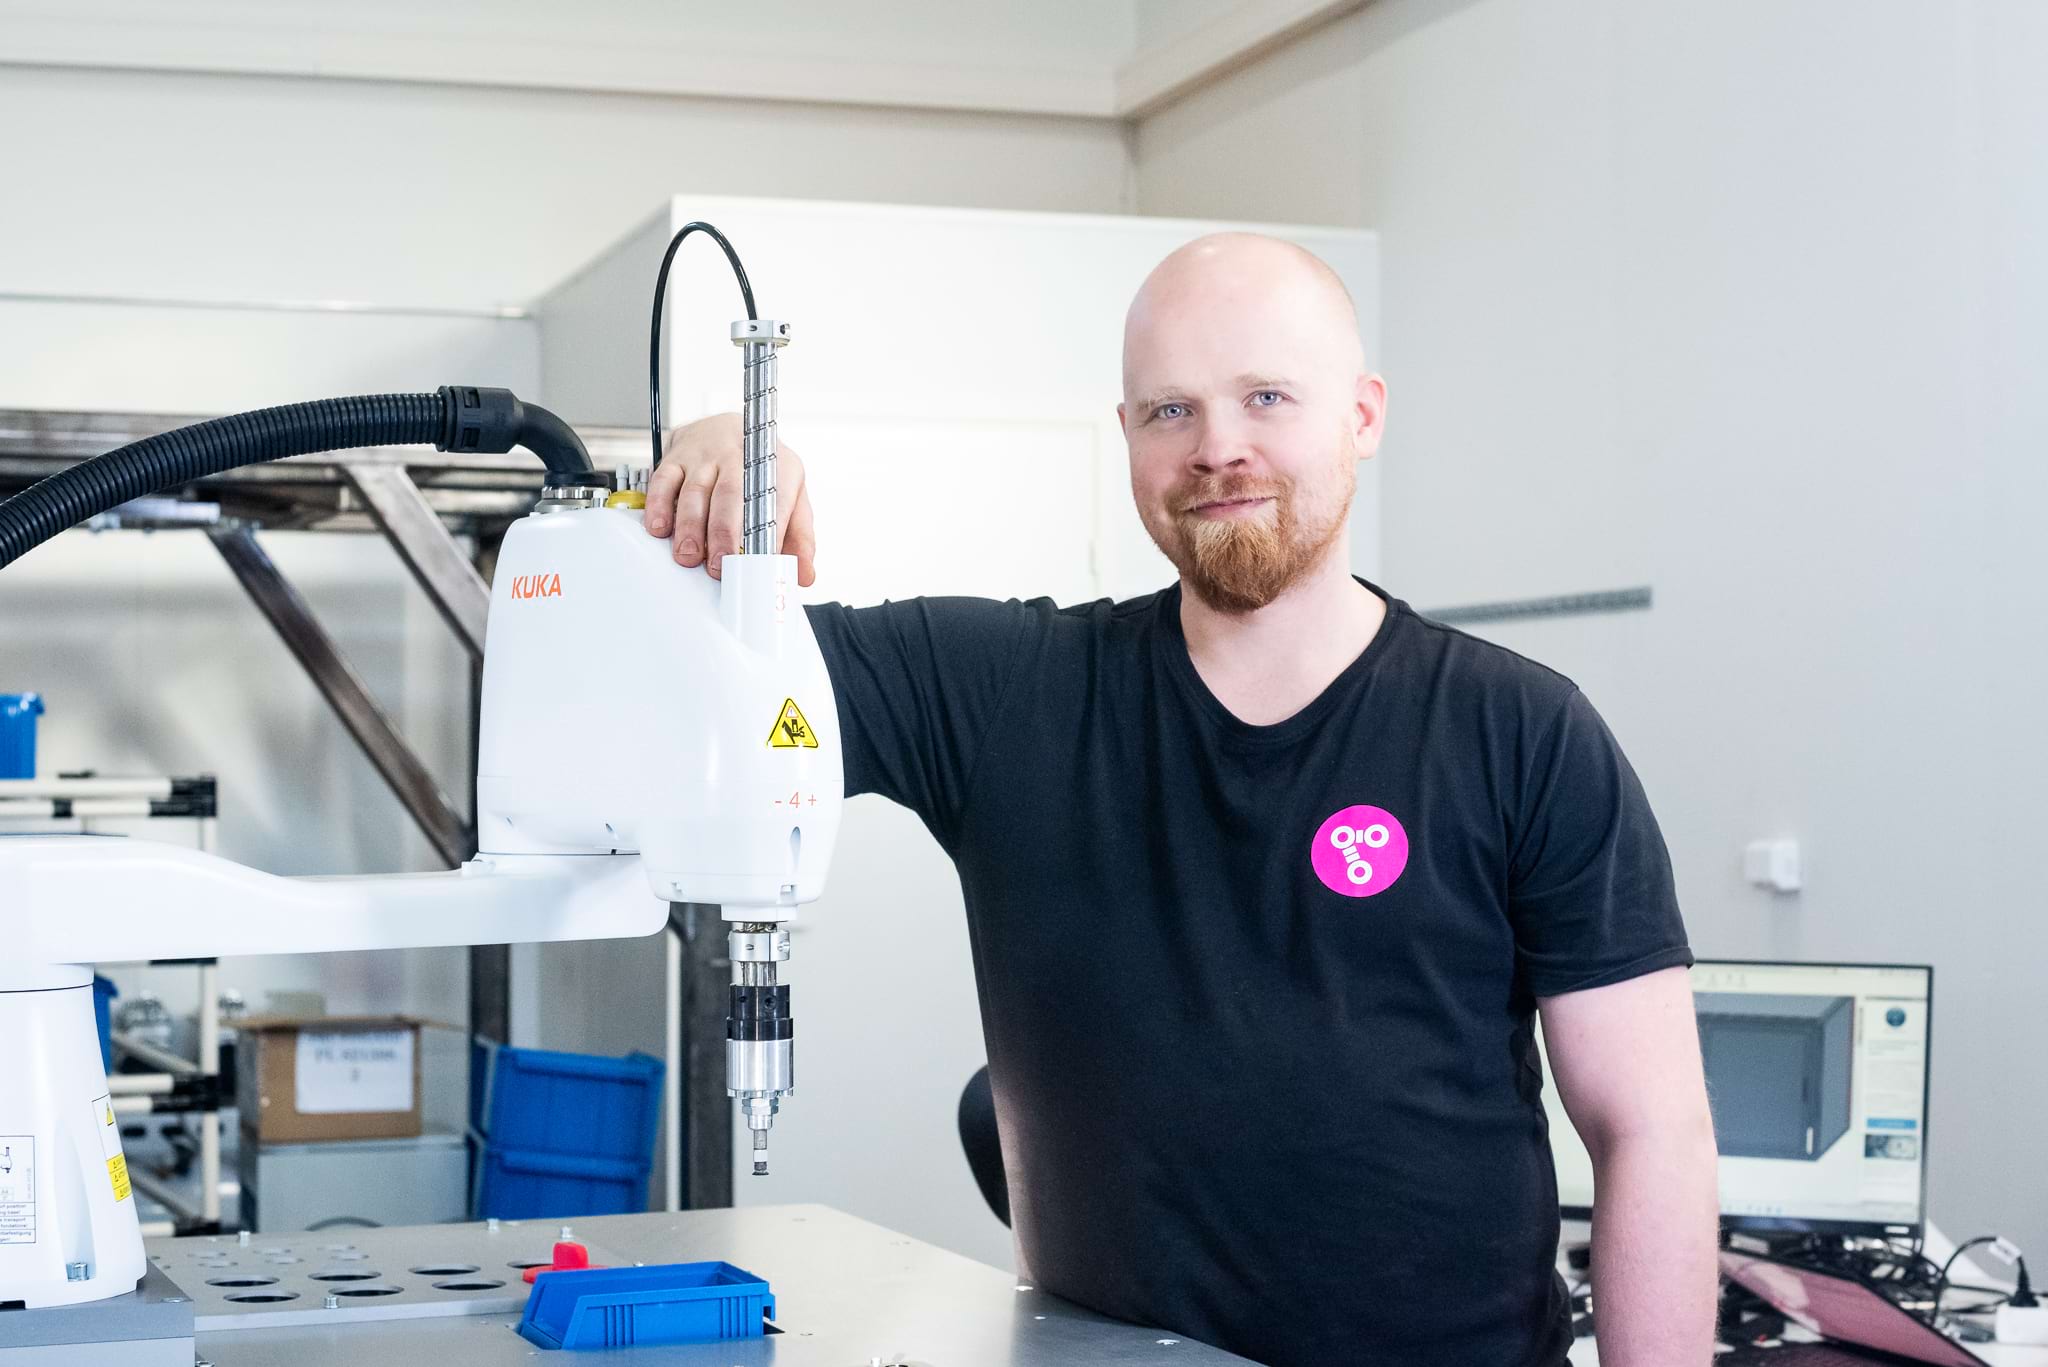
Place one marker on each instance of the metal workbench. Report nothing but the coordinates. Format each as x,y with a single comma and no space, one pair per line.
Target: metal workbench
848,1294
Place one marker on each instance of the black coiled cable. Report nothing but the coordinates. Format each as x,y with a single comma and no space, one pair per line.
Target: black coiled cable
457,417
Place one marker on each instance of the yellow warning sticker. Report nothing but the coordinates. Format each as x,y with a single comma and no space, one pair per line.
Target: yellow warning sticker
110,1145
791,731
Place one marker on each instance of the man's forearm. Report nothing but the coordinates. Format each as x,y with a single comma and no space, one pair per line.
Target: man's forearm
1655,1218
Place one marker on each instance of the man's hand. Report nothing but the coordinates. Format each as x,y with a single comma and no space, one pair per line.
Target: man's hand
695,495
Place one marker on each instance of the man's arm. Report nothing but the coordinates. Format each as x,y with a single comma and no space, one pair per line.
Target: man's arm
918,682
1627,1062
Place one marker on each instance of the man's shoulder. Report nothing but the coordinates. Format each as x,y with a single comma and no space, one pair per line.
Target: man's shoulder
950,609
1103,613
960,631
1475,672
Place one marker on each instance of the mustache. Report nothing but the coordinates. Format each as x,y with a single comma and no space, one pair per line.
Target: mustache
1225,489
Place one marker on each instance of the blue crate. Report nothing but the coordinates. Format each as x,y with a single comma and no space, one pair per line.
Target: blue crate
623,1307
18,713
543,1101
562,1134
481,1051
524,1184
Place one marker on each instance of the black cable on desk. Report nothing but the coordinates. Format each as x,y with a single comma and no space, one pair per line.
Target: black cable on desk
1942,1283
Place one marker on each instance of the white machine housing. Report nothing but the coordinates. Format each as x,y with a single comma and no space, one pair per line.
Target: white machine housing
591,620
628,758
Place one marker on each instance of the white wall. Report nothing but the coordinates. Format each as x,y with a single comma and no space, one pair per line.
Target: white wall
1049,56
139,186
1159,22
228,187
1745,302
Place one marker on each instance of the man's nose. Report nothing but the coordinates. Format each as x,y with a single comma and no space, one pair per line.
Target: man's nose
1225,445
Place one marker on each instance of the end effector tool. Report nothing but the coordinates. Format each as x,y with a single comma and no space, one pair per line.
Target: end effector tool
759,1031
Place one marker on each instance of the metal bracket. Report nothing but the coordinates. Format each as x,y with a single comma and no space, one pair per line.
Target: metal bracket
345,692
706,1113
414,529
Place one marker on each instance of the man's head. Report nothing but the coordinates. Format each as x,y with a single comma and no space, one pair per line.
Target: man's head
1247,407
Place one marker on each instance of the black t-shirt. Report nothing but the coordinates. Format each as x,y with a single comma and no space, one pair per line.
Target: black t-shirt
1258,999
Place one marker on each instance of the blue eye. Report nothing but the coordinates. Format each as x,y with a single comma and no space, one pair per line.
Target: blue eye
1267,398
1170,410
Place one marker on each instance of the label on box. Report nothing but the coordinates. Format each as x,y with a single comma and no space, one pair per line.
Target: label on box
347,1071
17,1189
110,1145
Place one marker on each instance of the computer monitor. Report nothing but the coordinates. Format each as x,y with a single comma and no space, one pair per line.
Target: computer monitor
1817,1074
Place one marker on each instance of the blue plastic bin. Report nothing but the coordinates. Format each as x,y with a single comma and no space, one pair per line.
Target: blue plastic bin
103,993
625,1307
564,1134
525,1184
18,713
481,1051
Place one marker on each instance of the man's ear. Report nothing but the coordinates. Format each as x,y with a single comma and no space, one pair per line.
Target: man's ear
1369,415
1120,424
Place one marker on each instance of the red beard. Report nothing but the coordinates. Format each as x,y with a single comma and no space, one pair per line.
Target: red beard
1240,565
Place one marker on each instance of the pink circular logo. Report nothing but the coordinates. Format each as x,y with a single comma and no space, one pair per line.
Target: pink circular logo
1359,851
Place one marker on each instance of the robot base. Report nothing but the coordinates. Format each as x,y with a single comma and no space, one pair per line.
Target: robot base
68,1232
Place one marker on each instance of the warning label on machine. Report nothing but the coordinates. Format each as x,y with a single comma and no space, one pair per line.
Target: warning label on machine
110,1145
791,731
17,1189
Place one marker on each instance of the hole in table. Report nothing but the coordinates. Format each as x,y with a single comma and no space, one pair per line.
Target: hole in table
264,1297
247,1279
468,1286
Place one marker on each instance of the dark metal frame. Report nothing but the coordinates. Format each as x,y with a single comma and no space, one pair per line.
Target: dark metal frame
420,501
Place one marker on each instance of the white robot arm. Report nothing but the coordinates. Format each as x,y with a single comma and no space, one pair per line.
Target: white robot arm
582,834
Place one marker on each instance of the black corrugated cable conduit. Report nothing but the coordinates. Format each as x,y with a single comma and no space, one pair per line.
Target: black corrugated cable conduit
453,418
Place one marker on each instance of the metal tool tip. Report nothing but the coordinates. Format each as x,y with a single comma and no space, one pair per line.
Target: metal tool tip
761,1168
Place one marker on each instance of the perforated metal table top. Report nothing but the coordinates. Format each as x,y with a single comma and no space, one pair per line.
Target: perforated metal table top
848,1293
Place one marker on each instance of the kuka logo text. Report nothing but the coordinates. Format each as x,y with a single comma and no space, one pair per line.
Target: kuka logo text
537,586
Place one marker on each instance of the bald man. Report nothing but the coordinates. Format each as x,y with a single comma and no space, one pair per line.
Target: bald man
1267,878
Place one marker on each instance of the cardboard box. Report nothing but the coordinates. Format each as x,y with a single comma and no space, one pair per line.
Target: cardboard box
328,1077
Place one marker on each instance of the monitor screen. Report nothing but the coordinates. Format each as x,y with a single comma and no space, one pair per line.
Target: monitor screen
1817,1074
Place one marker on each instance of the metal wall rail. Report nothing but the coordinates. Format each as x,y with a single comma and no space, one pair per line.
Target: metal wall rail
1557,605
